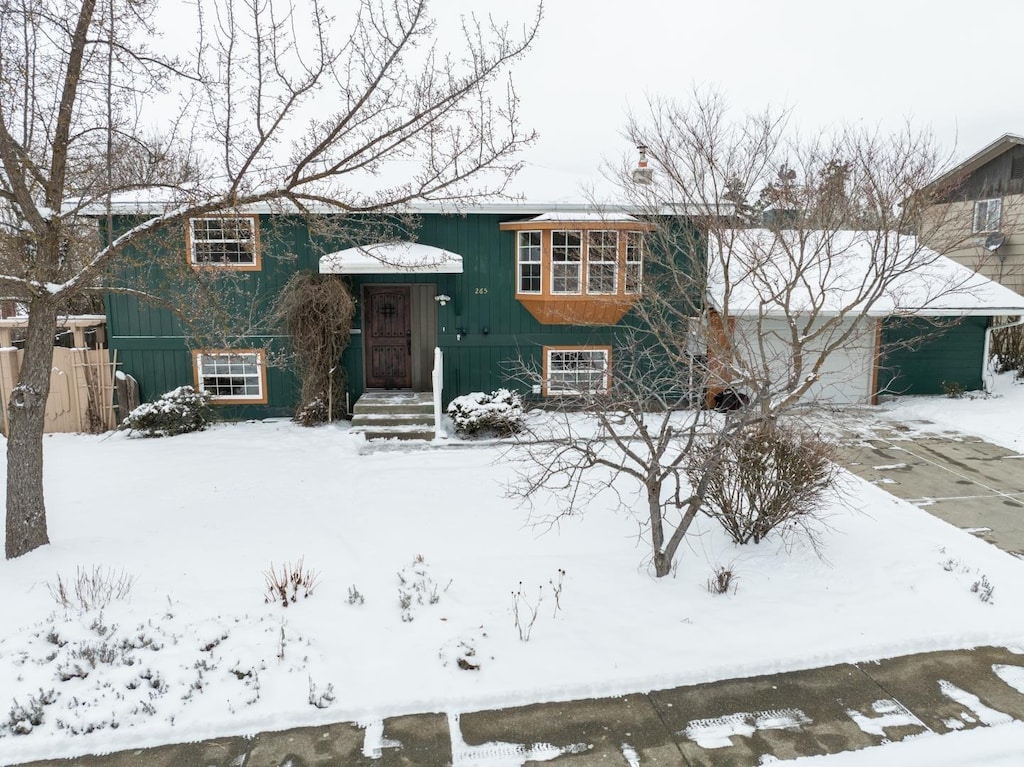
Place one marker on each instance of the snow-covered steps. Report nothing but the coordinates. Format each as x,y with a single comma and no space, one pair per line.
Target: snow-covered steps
394,415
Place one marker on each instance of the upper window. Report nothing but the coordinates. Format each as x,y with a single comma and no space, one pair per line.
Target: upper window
584,270
232,376
634,261
576,371
602,261
528,250
987,214
224,241
566,261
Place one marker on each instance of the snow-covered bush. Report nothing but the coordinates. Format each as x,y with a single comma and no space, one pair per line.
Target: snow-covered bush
499,413
178,411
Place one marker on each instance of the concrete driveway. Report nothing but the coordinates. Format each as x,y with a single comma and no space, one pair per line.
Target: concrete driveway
961,479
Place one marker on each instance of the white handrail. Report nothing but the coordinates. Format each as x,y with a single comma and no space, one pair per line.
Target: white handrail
437,382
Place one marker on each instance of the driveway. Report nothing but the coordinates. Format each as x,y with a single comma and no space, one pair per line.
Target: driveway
961,479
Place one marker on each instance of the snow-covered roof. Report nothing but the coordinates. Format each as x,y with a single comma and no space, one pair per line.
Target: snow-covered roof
831,272
392,258
587,215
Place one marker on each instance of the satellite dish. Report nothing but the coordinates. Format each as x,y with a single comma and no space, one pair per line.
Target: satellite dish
994,241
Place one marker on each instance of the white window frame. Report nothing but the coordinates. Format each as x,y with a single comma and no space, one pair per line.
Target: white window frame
987,215
566,263
195,237
257,376
553,387
634,261
530,250
604,260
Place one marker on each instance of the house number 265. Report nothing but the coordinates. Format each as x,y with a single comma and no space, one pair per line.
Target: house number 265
480,291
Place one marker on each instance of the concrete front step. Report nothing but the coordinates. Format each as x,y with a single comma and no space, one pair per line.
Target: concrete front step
394,415
395,402
396,432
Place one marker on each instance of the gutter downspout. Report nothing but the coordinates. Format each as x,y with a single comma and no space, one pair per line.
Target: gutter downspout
987,378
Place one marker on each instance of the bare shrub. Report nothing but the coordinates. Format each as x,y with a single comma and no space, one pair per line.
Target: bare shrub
91,589
320,698
524,612
722,581
289,583
1008,349
768,476
316,310
416,587
984,589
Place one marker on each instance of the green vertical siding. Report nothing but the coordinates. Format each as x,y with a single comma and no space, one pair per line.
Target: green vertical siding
918,357
496,329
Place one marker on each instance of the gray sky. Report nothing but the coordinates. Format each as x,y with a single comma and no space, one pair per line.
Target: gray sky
953,68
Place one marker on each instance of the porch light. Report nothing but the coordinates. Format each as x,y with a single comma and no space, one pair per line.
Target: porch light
443,299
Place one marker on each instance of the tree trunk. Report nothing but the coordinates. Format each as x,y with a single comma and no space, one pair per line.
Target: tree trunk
662,563
26,416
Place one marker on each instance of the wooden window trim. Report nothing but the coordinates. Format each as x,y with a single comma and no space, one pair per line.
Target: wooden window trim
546,353
255,266
584,307
261,362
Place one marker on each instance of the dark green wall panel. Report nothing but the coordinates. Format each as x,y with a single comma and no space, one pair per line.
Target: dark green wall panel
918,356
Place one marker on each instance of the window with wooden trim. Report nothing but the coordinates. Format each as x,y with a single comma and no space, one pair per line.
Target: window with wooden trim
602,261
529,262
230,242
578,272
566,261
634,261
987,214
232,376
576,371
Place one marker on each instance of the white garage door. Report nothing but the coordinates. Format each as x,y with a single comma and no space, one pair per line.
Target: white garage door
845,378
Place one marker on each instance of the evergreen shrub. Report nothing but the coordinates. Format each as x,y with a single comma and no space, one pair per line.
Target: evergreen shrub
178,411
499,413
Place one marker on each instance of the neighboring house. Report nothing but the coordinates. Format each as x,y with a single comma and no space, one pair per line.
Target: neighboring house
977,212
492,288
925,329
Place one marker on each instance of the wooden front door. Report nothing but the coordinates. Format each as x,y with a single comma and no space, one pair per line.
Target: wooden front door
387,328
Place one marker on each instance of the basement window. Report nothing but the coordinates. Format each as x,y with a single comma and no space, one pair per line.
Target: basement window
987,214
229,242
576,371
232,376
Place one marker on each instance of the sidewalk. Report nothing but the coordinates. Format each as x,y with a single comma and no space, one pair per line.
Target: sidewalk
734,723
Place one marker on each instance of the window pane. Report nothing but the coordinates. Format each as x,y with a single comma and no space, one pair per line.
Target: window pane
230,375
223,241
577,371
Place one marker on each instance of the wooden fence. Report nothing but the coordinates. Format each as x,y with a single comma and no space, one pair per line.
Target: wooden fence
81,382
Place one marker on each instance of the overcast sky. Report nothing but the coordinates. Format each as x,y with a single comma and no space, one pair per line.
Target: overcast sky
952,67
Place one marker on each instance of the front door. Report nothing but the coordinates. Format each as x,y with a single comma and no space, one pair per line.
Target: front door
387,329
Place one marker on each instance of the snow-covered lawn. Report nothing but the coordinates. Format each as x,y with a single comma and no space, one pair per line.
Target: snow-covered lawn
194,650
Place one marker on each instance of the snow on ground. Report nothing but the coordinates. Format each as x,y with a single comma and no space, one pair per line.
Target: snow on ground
195,652
993,417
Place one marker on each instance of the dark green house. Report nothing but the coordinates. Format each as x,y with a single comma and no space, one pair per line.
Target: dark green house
491,289
480,297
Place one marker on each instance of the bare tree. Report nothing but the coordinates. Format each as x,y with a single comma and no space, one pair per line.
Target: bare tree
259,105
769,254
